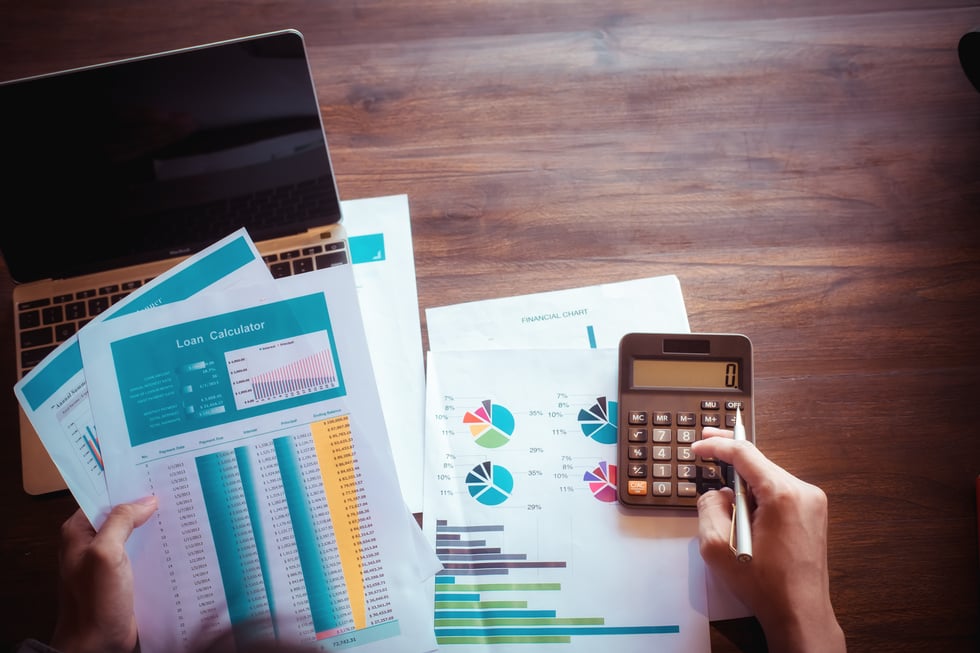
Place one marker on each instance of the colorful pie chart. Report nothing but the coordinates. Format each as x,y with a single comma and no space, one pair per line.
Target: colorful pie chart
491,424
602,482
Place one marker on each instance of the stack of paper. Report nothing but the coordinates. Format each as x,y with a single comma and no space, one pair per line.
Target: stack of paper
520,493
251,409
284,436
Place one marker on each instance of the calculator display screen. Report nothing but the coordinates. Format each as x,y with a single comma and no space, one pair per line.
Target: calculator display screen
658,373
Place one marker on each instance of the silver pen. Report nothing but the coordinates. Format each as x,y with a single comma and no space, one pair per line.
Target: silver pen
742,546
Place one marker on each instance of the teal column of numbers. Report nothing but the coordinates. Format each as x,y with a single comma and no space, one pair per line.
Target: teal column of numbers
253,501
322,607
235,546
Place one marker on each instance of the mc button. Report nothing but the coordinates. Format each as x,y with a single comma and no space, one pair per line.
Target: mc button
638,417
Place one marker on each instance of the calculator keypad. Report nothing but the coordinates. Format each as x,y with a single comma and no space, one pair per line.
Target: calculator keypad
660,467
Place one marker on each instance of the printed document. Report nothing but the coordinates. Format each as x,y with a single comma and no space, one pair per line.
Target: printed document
589,317
253,415
520,503
379,233
55,396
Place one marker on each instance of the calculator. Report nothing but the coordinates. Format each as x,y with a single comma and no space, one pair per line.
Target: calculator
670,387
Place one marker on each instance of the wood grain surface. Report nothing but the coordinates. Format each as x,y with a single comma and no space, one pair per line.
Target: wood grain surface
808,170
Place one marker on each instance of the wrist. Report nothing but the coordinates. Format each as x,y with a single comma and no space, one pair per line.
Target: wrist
811,631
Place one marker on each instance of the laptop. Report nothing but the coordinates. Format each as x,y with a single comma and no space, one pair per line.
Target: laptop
126,168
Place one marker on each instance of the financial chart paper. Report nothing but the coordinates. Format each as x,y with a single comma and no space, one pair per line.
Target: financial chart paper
520,505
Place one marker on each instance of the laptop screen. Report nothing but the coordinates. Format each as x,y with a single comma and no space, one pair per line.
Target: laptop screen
160,156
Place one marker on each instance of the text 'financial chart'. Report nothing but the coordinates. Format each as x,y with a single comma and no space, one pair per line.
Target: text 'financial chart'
259,374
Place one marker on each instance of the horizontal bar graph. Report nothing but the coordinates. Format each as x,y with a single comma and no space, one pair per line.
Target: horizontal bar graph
471,611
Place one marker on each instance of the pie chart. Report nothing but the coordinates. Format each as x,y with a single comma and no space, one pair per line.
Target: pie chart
599,421
602,482
490,484
491,424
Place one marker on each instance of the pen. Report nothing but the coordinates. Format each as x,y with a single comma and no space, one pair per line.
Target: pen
743,531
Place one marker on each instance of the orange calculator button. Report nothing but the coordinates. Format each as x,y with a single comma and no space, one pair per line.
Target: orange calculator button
637,487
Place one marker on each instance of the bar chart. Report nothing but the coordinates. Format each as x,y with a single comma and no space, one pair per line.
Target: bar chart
75,418
473,607
259,375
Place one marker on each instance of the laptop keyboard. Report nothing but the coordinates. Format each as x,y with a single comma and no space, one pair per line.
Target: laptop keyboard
43,324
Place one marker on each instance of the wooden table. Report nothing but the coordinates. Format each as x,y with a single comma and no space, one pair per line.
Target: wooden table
809,171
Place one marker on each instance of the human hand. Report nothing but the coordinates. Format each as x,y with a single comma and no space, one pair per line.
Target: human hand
95,612
786,583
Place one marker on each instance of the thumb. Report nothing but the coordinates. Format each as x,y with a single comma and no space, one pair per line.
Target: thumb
125,517
715,524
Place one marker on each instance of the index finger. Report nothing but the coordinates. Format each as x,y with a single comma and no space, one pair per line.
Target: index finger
751,464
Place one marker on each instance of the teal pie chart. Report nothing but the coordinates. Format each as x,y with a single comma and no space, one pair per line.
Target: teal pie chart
599,421
490,484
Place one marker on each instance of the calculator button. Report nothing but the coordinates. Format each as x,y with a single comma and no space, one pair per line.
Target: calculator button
730,420
686,435
711,472
661,453
637,435
638,488
686,419
661,435
662,470
661,489
710,419
638,453
685,453
637,470
710,478
637,417
734,405
686,471
710,404
687,489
